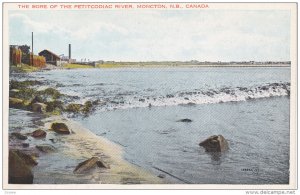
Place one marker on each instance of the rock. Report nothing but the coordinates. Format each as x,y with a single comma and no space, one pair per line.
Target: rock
13,84
75,108
54,105
54,93
15,90
39,134
46,148
25,145
37,99
28,159
87,107
89,164
19,136
101,164
191,104
60,128
16,103
161,176
215,143
53,140
19,172
39,107
186,120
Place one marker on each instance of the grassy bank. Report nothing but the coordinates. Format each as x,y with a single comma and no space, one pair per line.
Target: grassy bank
23,68
72,66
27,68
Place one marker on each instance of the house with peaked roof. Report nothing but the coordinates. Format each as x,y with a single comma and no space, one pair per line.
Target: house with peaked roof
51,58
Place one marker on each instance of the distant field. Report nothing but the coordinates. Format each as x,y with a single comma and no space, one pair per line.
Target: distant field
110,65
70,66
135,65
161,65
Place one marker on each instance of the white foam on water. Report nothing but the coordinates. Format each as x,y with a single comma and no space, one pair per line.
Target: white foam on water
205,97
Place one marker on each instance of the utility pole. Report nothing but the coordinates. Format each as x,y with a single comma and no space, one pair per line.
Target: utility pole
32,48
69,53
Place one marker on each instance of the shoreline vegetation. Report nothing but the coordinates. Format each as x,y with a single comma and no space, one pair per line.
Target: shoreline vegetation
121,65
27,68
191,63
104,160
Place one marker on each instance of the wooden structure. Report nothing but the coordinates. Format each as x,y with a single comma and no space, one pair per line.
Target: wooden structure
51,58
15,55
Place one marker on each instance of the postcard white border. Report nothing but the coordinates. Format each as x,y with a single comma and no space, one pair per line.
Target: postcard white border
293,107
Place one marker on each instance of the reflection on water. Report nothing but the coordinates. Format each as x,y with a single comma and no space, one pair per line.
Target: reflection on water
216,157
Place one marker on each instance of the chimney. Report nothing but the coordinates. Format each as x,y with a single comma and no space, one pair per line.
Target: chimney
32,49
69,51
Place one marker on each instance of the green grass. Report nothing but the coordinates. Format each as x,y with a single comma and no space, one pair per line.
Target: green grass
71,66
24,68
116,65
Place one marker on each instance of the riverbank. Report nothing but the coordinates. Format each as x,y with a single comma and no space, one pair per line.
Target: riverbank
57,167
23,68
57,155
81,145
121,65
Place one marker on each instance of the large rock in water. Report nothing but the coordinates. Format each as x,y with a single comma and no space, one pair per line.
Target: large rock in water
89,164
60,128
39,107
28,159
215,143
38,134
19,172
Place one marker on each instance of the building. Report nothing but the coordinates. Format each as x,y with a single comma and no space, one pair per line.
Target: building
64,58
20,54
51,58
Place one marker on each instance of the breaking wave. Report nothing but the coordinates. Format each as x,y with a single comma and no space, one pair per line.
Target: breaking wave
211,96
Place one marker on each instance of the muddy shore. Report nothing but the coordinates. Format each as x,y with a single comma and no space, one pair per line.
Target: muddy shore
57,155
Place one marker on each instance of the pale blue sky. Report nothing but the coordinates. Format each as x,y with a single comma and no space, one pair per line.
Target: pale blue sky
143,35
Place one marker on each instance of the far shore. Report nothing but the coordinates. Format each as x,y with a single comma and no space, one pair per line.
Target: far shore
122,65
188,65
27,68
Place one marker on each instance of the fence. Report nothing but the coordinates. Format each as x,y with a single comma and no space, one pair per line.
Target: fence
15,56
38,61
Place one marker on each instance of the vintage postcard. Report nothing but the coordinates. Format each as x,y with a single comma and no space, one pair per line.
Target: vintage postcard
149,95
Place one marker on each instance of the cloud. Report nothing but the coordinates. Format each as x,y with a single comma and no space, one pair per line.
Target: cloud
162,35
67,26
39,27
